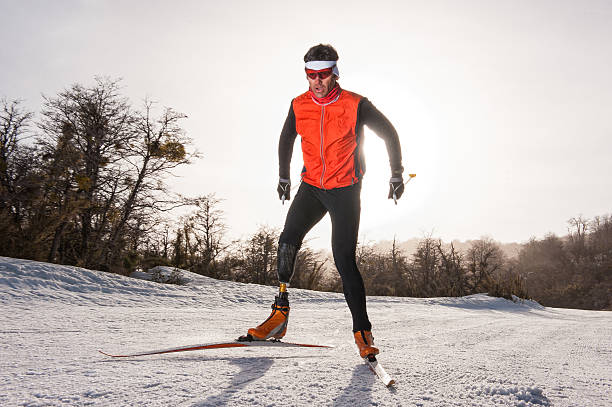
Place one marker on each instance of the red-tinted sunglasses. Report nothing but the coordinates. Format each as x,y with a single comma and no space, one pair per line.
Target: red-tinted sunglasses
323,74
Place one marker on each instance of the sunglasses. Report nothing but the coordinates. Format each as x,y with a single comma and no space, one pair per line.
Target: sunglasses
323,74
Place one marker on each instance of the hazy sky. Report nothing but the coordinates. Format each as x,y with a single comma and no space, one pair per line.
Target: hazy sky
503,108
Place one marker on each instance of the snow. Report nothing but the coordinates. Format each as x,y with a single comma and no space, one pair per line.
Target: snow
470,351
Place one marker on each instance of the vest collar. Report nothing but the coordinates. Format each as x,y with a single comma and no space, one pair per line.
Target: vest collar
331,97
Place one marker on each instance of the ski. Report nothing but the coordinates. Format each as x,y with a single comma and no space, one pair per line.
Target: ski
378,370
220,345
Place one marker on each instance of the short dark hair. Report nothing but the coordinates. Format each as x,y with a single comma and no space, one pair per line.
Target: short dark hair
321,52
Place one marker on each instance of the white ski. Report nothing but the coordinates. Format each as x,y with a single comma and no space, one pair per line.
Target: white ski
377,368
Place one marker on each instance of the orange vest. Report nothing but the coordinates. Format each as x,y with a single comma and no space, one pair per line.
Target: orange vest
331,149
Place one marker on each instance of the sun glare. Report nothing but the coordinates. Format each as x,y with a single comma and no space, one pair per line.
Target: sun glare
381,218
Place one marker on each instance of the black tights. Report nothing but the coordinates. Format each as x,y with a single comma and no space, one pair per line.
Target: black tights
344,207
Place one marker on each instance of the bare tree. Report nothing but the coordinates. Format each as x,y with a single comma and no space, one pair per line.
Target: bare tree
18,178
600,240
157,146
484,258
202,238
577,230
258,257
452,271
105,169
426,264
95,123
208,222
14,123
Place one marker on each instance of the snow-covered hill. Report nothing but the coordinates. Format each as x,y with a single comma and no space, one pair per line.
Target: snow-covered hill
471,351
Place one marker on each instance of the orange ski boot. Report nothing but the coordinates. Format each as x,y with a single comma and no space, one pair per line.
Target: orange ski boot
365,343
276,324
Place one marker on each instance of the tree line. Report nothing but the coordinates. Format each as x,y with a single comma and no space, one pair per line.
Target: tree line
573,271
85,185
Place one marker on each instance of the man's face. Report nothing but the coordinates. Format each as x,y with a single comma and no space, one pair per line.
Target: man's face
321,86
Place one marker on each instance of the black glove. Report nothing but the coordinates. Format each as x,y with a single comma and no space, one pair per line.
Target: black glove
396,187
284,189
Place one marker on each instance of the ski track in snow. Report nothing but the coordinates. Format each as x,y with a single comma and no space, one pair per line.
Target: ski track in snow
470,351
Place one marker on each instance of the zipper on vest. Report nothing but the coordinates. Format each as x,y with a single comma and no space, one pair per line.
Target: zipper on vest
322,141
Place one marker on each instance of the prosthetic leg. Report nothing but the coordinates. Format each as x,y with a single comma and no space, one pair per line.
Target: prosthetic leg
275,326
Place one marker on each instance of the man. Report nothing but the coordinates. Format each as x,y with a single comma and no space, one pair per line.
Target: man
330,122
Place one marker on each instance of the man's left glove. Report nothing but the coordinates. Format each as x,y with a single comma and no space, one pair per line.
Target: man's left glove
284,189
396,188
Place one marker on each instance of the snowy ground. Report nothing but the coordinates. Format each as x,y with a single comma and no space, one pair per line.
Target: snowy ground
471,351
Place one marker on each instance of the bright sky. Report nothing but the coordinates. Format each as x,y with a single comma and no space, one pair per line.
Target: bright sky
503,107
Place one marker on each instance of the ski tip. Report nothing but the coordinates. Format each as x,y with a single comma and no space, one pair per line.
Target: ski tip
112,356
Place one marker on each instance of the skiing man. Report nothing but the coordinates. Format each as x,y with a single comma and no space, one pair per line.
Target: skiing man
330,123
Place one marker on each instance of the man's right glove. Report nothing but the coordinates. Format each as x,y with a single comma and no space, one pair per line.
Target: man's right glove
284,189
396,188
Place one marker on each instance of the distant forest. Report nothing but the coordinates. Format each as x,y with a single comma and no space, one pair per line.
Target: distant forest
85,184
